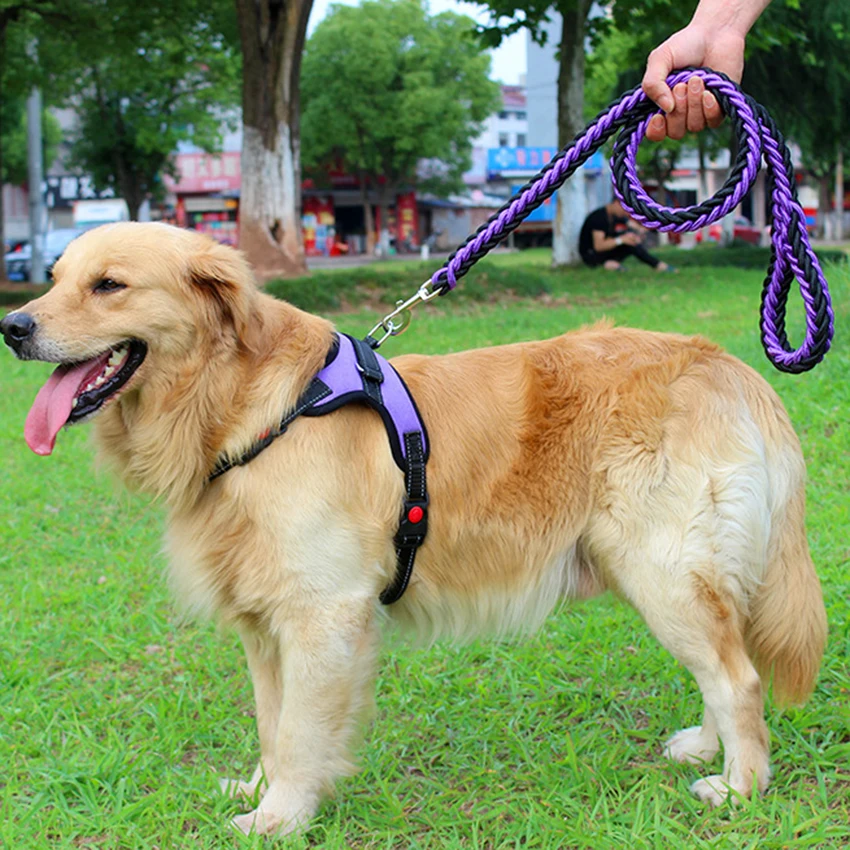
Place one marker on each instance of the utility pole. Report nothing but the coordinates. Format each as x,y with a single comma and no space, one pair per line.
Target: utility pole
34,155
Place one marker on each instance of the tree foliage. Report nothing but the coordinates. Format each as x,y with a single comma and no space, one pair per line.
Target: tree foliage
387,87
798,68
158,79
142,77
13,139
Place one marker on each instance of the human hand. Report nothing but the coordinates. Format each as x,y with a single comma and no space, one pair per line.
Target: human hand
689,107
631,238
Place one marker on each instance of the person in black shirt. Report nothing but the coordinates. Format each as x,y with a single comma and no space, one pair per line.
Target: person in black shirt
606,240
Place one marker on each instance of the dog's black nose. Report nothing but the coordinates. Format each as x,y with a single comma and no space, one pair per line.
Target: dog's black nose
17,328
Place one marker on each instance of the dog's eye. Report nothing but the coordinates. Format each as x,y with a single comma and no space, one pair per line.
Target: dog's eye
107,284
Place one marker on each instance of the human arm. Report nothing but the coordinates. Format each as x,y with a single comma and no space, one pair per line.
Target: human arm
714,38
602,243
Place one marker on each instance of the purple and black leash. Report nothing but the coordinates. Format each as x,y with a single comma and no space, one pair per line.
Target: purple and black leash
791,258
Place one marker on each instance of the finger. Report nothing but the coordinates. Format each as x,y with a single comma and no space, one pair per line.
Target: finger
696,116
711,109
677,119
658,66
656,130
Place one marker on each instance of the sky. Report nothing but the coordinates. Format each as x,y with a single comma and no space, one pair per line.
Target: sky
509,60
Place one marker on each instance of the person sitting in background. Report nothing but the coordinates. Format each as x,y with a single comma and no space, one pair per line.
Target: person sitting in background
607,239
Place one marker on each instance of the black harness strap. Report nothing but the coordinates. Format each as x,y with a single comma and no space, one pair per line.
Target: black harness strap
413,525
370,370
312,395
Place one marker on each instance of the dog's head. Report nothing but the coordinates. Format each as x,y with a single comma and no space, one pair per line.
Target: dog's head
127,299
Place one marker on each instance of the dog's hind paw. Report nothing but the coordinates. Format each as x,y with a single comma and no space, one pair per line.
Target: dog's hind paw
714,790
692,746
261,822
236,789
282,810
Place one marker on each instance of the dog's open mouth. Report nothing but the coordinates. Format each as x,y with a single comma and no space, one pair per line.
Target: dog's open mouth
77,390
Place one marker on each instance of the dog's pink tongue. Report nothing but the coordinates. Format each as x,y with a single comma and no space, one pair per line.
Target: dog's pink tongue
53,404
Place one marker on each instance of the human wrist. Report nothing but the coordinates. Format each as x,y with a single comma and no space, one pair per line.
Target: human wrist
730,17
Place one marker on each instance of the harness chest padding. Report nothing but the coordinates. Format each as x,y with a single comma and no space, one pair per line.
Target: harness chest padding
359,374
355,373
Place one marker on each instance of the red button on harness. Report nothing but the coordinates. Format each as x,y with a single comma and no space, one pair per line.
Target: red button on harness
415,514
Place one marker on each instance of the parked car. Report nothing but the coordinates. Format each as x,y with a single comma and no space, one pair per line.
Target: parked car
14,245
19,261
742,229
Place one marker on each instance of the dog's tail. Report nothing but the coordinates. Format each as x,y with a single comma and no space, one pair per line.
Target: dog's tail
787,620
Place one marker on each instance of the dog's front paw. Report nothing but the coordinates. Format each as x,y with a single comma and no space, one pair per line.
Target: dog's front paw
692,746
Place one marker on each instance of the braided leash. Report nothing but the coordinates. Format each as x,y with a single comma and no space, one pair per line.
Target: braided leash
791,254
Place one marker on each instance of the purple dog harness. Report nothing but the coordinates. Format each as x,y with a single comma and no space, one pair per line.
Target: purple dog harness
354,373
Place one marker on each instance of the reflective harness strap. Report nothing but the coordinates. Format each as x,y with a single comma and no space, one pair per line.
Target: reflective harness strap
357,374
413,525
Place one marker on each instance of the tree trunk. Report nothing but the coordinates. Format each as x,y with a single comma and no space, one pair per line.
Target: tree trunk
824,230
128,186
272,34
2,182
134,201
839,193
368,221
386,194
572,199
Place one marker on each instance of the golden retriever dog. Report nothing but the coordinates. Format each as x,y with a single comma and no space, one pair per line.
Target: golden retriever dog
651,465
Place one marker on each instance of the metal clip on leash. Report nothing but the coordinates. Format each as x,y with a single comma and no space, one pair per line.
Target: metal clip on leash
791,258
397,322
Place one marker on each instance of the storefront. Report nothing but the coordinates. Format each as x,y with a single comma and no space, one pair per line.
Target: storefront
205,197
207,194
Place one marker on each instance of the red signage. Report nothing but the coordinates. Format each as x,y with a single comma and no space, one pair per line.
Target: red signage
204,172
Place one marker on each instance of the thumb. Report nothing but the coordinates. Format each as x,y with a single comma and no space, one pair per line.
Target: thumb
658,66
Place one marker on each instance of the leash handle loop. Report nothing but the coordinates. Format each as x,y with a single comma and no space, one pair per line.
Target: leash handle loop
792,257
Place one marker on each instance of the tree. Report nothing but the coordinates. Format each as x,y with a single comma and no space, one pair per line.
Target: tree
13,139
395,96
19,24
581,22
157,80
576,25
141,76
798,69
272,34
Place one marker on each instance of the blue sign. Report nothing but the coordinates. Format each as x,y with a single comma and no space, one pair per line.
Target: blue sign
546,210
506,161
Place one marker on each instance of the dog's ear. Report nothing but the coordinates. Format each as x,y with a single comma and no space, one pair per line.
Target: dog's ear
222,276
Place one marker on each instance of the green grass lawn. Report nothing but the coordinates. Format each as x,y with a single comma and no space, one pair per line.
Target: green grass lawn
116,715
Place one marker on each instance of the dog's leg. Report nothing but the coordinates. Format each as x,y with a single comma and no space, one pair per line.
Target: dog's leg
327,665
263,654
702,628
733,694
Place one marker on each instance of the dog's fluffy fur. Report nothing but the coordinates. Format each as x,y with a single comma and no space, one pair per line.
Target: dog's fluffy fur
651,465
